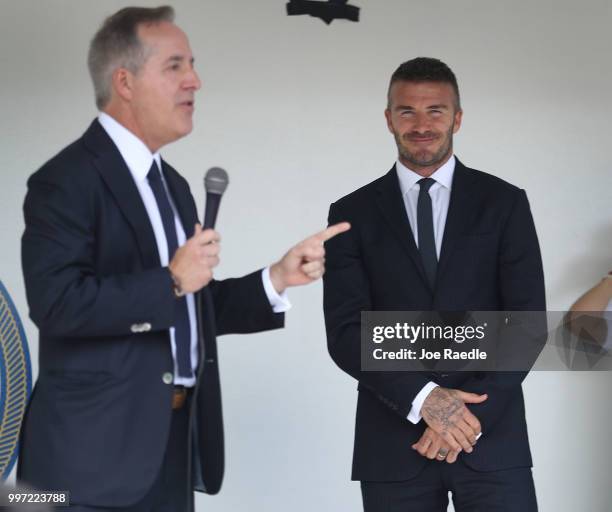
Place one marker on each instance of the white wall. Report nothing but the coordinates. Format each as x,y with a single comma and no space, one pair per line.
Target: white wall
294,110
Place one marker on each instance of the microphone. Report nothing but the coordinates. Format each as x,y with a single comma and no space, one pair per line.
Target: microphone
208,410
215,183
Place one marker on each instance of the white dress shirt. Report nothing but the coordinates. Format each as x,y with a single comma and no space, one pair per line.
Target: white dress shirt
440,193
139,159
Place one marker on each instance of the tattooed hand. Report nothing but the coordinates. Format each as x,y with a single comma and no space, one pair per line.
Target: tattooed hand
445,412
432,446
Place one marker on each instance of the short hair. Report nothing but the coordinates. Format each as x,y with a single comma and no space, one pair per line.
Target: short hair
116,44
425,69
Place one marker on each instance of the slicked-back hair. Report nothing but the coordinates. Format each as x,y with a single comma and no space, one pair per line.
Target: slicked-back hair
425,69
116,45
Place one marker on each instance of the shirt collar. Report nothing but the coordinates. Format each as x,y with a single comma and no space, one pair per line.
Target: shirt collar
408,178
135,153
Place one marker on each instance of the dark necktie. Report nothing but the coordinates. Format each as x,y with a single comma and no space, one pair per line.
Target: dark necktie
427,241
182,332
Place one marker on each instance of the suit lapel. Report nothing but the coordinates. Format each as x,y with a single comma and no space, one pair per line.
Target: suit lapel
460,214
117,177
389,200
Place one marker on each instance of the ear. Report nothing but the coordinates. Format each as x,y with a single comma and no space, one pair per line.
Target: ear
123,83
388,118
458,119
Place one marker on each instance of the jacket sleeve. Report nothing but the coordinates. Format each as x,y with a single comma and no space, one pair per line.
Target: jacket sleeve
346,295
521,285
242,306
66,297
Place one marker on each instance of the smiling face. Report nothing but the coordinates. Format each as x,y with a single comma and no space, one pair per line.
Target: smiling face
159,97
422,116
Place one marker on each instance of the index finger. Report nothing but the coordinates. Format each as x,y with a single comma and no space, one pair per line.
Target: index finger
473,422
332,231
207,236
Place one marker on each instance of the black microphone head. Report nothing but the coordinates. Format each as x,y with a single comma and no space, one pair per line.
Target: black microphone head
216,180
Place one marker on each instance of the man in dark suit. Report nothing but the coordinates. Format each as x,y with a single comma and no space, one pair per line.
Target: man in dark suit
126,412
433,234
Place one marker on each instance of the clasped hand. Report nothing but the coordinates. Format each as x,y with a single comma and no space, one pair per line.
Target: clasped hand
451,426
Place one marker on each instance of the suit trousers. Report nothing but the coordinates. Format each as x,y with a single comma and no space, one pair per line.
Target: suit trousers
170,492
509,490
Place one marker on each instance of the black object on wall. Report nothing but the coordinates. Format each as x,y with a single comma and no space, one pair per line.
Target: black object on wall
327,11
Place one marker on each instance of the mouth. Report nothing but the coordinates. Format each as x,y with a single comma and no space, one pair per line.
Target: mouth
189,104
422,140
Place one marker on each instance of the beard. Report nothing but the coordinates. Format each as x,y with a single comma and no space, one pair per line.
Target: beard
425,158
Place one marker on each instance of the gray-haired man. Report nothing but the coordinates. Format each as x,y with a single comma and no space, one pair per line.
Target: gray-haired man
126,413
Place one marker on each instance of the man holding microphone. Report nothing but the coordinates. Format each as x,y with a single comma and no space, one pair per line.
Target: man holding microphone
126,412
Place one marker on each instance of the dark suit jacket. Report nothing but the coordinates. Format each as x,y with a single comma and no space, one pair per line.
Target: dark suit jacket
99,416
490,260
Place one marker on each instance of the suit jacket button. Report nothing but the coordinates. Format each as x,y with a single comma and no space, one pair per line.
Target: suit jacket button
167,378
144,327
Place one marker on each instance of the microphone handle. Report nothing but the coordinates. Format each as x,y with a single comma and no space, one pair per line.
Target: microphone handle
211,209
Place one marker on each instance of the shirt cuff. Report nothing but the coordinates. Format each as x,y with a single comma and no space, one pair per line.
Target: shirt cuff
414,416
280,303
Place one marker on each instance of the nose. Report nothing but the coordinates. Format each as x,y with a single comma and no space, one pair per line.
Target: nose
421,122
192,80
